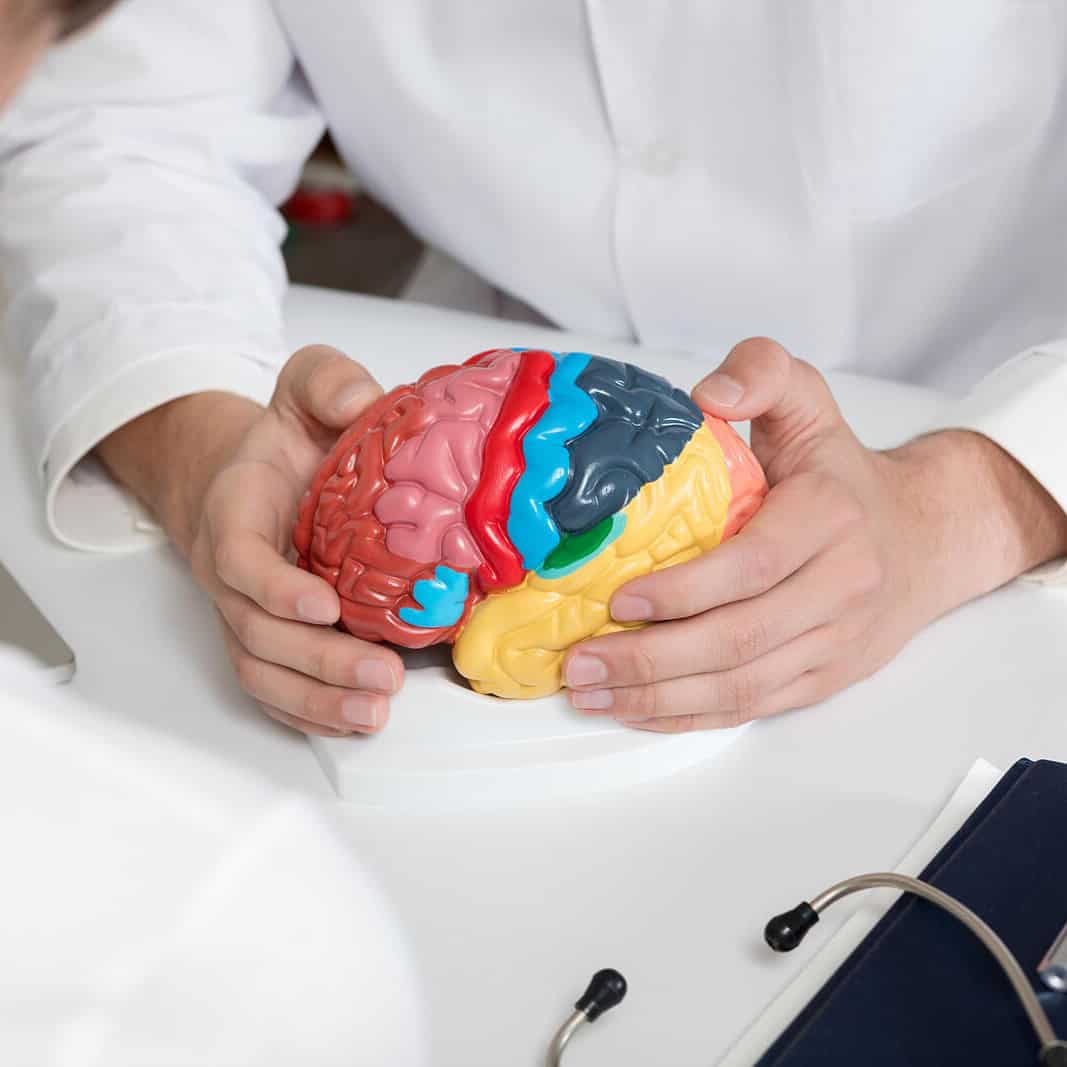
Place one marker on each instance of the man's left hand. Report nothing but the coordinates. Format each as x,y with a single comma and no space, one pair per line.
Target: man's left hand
853,552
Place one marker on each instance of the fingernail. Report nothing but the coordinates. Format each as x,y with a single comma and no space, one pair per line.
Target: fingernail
592,699
627,608
373,674
345,398
720,390
314,609
586,670
359,711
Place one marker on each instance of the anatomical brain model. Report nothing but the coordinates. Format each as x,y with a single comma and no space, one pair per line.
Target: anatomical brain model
498,505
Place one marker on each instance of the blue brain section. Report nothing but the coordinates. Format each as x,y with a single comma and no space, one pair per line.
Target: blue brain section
642,423
441,599
570,412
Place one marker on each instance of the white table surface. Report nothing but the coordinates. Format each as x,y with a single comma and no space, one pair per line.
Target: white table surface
670,882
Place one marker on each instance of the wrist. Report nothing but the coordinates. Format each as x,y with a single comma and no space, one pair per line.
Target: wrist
168,456
974,513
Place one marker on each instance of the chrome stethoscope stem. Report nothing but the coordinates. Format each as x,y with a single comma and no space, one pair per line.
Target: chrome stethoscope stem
1000,952
563,1035
785,932
606,989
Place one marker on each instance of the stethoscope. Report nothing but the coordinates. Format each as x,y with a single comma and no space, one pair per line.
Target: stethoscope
784,932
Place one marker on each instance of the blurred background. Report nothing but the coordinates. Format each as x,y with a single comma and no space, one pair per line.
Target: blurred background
341,238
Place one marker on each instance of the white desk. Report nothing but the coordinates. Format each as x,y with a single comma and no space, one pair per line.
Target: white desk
671,883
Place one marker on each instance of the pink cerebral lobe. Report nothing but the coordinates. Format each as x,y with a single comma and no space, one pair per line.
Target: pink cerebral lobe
432,474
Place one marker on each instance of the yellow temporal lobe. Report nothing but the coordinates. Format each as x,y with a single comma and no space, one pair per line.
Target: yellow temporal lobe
514,642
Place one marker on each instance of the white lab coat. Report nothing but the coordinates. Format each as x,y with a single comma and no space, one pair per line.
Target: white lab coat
164,909
881,187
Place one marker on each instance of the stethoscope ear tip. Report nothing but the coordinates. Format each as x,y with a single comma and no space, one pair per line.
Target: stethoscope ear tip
606,989
784,932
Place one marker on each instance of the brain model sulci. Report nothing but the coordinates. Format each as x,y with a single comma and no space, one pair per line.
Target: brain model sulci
498,505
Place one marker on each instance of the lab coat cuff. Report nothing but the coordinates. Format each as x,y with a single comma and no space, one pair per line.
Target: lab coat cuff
1020,406
84,507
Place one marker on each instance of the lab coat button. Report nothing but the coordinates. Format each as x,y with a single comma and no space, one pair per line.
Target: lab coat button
659,158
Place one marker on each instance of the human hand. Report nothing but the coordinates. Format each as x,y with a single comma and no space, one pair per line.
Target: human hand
225,477
852,553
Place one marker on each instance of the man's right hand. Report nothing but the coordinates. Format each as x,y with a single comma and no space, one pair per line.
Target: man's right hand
224,476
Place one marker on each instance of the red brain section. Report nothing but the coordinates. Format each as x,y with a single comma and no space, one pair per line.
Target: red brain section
338,537
487,507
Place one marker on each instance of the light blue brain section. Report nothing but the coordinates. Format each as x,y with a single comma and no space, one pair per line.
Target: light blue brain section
441,599
548,463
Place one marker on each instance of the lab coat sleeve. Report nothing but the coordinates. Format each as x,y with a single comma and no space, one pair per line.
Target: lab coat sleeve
1022,406
139,239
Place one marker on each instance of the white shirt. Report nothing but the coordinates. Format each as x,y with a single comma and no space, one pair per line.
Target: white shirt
881,187
161,908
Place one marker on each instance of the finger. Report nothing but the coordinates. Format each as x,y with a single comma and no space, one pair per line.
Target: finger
322,653
247,562
786,398
727,697
303,698
302,725
760,379
726,637
800,517
320,385
811,688
246,522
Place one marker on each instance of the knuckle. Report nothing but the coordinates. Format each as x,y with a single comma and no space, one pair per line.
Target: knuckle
642,664
843,635
811,380
807,372
742,694
758,566
823,683
249,673
762,359
747,642
681,724
673,724
226,558
314,707
642,700
243,619
870,575
847,508
670,591
316,663
767,350
731,719
827,495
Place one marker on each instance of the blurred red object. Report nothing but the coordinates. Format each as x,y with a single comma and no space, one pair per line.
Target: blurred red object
320,207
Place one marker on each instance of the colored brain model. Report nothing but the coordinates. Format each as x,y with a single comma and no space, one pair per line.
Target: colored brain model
498,505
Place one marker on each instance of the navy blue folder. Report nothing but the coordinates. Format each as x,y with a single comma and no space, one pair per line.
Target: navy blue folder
920,990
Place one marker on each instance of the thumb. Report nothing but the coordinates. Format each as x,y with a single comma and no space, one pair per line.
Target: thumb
787,399
322,387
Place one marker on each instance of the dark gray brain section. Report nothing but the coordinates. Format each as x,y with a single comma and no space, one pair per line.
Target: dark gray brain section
643,424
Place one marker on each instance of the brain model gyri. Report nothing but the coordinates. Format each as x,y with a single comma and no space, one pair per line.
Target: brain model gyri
498,505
